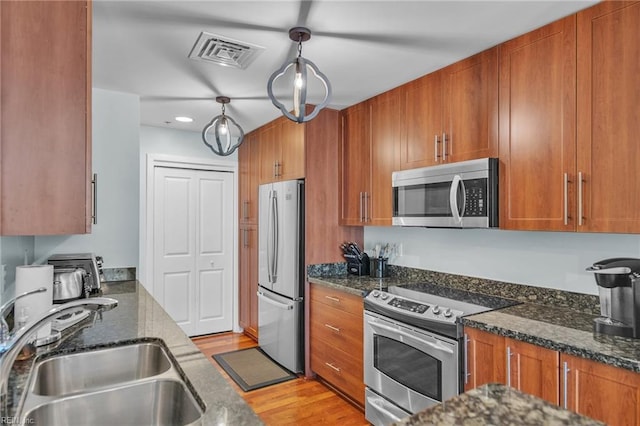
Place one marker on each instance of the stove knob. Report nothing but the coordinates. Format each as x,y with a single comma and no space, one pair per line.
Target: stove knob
447,313
384,296
375,293
436,310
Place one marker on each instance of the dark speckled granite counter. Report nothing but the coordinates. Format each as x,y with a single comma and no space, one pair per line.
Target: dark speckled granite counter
496,405
139,316
550,318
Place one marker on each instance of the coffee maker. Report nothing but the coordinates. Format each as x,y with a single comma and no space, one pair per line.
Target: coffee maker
618,282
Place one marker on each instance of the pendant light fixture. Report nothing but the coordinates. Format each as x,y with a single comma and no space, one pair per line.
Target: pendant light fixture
300,83
222,135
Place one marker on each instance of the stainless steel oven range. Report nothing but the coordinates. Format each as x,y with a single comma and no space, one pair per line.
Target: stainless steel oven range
413,350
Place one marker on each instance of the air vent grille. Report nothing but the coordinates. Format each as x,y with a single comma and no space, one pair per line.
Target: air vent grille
224,51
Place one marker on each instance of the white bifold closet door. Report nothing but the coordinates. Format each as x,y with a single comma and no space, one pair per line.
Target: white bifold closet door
194,248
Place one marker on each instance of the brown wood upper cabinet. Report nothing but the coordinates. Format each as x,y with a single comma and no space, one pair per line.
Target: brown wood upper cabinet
369,154
248,168
45,118
281,151
608,122
537,128
569,124
452,114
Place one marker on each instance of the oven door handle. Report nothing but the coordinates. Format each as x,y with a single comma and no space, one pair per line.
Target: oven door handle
410,336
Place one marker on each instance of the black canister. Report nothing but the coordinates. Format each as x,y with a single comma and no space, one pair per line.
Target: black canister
378,267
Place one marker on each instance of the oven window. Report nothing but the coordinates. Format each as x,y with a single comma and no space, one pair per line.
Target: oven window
422,200
408,366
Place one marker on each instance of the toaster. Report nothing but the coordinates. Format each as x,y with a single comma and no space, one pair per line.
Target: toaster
89,262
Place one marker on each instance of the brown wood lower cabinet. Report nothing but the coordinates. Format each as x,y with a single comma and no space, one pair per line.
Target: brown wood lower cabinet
533,369
600,391
336,329
596,390
248,277
485,358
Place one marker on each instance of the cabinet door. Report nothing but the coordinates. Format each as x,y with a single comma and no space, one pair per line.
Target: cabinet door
291,150
423,121
533,370
269,152
608,121
248,280
354,163
537,128
243,178
45,116
470,90
601,391
485,358
386,128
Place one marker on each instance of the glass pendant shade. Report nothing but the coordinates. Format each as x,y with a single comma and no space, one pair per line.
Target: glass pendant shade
300,71
223,135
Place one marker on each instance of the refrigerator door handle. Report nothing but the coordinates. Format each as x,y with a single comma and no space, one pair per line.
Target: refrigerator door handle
270,238
284,306
276,234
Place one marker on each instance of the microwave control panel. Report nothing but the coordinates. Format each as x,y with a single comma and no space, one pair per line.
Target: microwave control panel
475,197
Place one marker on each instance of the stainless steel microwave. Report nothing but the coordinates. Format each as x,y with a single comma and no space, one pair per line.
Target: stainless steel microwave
454,195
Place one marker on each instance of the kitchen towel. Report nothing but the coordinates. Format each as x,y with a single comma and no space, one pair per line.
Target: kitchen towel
32,277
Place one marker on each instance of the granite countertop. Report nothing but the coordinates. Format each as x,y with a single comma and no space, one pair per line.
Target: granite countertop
138,316
496,404
554,319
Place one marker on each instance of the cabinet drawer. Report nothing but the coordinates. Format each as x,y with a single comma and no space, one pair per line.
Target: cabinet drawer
340,369
338,328
337,299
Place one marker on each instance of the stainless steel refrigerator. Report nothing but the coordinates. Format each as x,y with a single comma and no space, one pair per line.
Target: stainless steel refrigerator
280,272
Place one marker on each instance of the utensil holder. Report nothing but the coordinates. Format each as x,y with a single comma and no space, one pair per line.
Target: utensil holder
378,267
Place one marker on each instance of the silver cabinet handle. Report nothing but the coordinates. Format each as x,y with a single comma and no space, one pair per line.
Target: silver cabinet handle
336,329
335,299
580,206
509,355
366,207
94,194
444,147
278,167
361,207
466,359
328,364
566,199
435,148
565,387
245,210
245,237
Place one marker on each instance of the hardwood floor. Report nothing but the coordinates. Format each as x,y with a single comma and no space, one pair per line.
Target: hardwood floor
296,402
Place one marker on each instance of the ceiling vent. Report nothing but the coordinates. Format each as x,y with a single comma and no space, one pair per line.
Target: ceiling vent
224,51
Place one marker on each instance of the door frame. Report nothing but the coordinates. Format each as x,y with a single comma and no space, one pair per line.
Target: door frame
146,216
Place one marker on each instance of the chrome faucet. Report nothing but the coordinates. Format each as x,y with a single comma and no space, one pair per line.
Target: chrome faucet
11,344
4,327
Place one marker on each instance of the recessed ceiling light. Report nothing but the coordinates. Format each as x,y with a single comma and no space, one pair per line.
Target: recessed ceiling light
184,119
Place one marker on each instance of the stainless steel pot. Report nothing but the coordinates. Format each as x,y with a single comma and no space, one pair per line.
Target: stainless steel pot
68,284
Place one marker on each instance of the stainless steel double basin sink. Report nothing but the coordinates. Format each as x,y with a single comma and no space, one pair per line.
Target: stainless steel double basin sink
133,384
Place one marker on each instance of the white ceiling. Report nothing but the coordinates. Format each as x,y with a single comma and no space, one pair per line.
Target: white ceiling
364,47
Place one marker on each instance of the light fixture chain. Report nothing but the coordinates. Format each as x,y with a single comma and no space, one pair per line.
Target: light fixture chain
223,109
300,46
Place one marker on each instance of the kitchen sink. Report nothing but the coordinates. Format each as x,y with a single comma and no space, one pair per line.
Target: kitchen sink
68,374
154,402
132,384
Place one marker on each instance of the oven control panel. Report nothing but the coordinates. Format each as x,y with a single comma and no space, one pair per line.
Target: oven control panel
411,307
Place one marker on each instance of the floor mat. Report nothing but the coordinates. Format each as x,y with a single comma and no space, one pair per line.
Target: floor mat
252,369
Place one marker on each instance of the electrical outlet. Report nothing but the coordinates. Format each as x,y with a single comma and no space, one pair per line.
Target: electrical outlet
399,249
